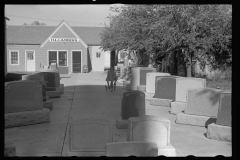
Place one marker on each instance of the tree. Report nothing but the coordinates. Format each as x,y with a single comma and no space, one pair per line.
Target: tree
35,23
202,32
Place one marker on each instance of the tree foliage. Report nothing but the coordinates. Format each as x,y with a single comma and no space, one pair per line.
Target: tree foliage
203,32
36,23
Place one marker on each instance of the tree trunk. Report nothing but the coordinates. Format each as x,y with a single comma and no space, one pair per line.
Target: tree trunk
189,67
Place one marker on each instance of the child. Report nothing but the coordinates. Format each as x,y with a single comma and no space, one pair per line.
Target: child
111,76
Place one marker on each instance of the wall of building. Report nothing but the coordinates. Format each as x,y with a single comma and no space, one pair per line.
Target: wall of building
98,63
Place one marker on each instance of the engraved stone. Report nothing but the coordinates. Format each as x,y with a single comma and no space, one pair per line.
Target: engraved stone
23,96
90,135
150,80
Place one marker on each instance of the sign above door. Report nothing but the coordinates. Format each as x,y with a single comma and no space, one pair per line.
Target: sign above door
64,40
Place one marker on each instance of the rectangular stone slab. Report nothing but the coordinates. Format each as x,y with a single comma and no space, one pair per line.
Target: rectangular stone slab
149,128
194,120
27,118
203,102
132,148
185,83
21,96
177,107
161,102
90,135
150,80
219,132
143,74
224,116
121,124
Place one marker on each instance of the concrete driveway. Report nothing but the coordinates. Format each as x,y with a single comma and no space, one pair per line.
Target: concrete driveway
85,97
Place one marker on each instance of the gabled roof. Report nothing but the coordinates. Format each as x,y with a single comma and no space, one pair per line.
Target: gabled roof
38,34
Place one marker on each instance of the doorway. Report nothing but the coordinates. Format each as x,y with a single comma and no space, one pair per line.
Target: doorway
30,61
76,61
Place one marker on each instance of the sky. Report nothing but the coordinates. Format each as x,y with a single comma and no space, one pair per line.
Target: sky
52,15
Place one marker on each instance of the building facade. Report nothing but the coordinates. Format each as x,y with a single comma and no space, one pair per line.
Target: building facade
74,49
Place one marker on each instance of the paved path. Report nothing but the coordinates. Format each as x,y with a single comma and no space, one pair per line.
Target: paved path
85,97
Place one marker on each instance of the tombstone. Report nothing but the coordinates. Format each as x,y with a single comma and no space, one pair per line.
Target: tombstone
133,104
138,76
52,78
132,148
224,116
151,129
90,135
150,80
203,102
37,78
23,96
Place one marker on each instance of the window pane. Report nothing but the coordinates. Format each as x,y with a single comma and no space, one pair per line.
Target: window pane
62,58
14,57
52,57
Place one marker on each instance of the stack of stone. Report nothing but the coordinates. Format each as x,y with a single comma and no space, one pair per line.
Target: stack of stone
24,104
52,78
222,130
40,79
174,88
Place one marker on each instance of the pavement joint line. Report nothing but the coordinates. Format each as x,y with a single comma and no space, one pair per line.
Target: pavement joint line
68,120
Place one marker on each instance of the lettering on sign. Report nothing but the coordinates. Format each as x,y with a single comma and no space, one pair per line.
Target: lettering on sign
64,40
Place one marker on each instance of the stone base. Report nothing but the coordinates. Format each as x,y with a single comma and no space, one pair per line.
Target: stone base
168,151
141,88
161,102
9,151
53,94
61,88
27,118
121,124
195,120
218,132
132,148
177,107
48,105
149,96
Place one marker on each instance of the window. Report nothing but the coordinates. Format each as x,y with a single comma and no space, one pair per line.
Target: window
98,54
14,57
62,58
30,55
59,57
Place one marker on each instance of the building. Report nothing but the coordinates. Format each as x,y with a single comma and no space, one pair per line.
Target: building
29,48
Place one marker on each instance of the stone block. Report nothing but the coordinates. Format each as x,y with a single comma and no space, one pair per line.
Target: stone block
132,148
121,124
90,135
150,80
48,105
23,96
53,94
203,102
161,102
138,76
51,76
177,107
149,96
195,120
9,151
219,132
60,89
141,88
224,116
133,104
27,118
150,128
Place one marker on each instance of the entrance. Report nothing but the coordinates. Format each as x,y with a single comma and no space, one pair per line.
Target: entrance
76,61
30,60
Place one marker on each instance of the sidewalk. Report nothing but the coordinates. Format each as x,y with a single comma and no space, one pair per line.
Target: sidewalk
85,97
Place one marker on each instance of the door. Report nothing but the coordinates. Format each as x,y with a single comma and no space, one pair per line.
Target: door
76,61
30,60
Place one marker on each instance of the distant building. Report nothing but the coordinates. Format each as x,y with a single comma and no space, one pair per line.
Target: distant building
29,48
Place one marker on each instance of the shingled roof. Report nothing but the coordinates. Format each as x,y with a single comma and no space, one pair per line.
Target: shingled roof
38,34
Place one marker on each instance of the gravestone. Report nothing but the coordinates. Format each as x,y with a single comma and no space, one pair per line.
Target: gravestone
150,80
203,102
52,78
90,135
21,96
133,104
138,76
224,116
132,148
37,78
165,87
151,129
